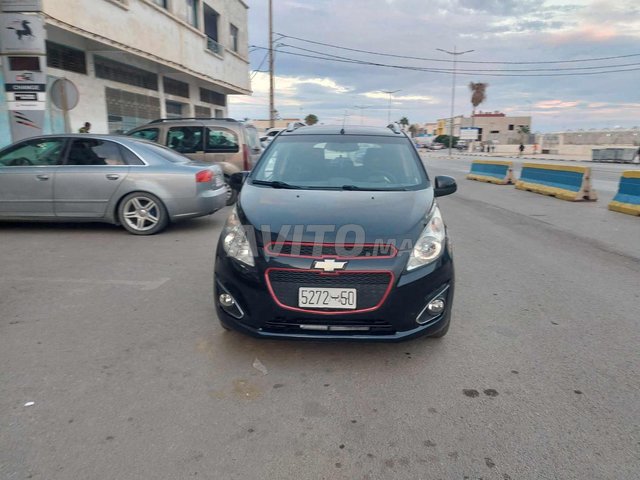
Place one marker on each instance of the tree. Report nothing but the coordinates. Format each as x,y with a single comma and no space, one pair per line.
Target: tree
404,121
413,129
311,119
478,94
522,131
444,140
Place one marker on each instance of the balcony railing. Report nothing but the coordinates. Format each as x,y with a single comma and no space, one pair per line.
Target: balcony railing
214,46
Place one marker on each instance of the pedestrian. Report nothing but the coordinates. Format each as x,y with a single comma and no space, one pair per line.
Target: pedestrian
521,148
86,128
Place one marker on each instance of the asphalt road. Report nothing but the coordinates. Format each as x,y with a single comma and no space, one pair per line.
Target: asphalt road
114,339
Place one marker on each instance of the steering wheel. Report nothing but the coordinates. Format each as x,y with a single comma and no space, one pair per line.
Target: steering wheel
379,175
17,162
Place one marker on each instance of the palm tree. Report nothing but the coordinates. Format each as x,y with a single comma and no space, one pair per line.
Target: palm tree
522,131
404,121
413,129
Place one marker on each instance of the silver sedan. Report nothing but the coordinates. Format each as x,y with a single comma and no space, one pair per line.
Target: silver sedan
134,183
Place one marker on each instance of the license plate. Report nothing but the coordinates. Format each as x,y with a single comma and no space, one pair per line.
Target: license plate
341,298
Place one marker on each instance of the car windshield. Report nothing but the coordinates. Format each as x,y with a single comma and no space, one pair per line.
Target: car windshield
349,162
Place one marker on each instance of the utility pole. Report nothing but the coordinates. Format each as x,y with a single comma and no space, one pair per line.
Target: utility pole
272,108
455,54
389,92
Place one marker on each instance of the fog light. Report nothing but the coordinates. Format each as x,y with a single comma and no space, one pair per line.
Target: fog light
436,306
226,300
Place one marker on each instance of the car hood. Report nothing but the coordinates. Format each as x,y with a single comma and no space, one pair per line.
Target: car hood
295,214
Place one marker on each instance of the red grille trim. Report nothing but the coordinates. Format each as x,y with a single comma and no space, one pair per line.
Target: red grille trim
339,312
393,251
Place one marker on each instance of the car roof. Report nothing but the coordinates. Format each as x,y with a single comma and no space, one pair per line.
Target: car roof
343,130
97,136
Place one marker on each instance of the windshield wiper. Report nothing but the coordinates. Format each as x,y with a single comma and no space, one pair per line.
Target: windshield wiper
274,184
372,189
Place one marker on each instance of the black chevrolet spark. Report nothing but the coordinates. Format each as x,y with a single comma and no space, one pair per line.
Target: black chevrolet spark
337,235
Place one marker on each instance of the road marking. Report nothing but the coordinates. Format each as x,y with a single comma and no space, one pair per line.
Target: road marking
145,285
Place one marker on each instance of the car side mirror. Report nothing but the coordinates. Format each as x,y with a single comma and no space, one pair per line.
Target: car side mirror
445,186
237,179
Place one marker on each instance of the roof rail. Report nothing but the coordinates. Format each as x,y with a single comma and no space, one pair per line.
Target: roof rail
395,128
161,120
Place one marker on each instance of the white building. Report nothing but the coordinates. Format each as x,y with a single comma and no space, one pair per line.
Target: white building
137,60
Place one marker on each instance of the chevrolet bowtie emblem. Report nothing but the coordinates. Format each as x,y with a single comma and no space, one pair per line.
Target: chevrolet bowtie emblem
329,265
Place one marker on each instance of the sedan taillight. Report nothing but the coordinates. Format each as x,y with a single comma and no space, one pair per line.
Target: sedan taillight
204,176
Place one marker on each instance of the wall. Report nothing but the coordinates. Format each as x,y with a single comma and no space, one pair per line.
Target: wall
143,28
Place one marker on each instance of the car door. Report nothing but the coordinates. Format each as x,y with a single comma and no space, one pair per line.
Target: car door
27,172
90,175
187,140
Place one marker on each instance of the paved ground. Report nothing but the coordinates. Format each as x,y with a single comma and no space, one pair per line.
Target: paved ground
114,339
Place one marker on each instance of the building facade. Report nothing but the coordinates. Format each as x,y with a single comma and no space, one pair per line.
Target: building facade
498,128
133,61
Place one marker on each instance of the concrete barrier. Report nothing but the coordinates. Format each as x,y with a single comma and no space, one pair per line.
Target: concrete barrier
498,172
564,182
627,200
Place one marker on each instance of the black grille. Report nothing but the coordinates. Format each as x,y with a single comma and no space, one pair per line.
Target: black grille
175,87
338,251
209,96
123,73
374,327
370,286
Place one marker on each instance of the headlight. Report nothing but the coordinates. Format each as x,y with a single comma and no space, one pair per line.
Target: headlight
235,242
430,244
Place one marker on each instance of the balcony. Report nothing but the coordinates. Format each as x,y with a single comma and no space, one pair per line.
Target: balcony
215,47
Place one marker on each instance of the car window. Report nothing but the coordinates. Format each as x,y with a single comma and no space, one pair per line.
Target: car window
130,158
151,134
338,161
35,152
185,139
93,151
219,140
252,138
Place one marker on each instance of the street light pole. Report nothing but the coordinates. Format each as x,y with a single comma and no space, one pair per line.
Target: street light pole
389,92
455,54
272,109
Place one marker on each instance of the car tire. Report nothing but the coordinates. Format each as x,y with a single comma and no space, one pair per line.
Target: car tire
228,329
443,331
142,213
232,195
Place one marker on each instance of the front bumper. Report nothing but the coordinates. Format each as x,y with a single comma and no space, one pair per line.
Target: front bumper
394,320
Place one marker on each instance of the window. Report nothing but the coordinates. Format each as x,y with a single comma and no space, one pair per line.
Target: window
150,134
127,110
209,96
175,87
94,152
161,3
123,73
66,58
211,29
192,13
495,131
174,109
34,153
202,112
185,139
511,126
130,158
221,141
234,37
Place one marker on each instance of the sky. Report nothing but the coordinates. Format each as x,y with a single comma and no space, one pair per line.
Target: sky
572,32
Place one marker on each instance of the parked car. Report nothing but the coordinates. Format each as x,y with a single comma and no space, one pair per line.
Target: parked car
222,141
134,183
380,266
436,146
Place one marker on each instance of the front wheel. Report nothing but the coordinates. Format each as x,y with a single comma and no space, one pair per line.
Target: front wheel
142,214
